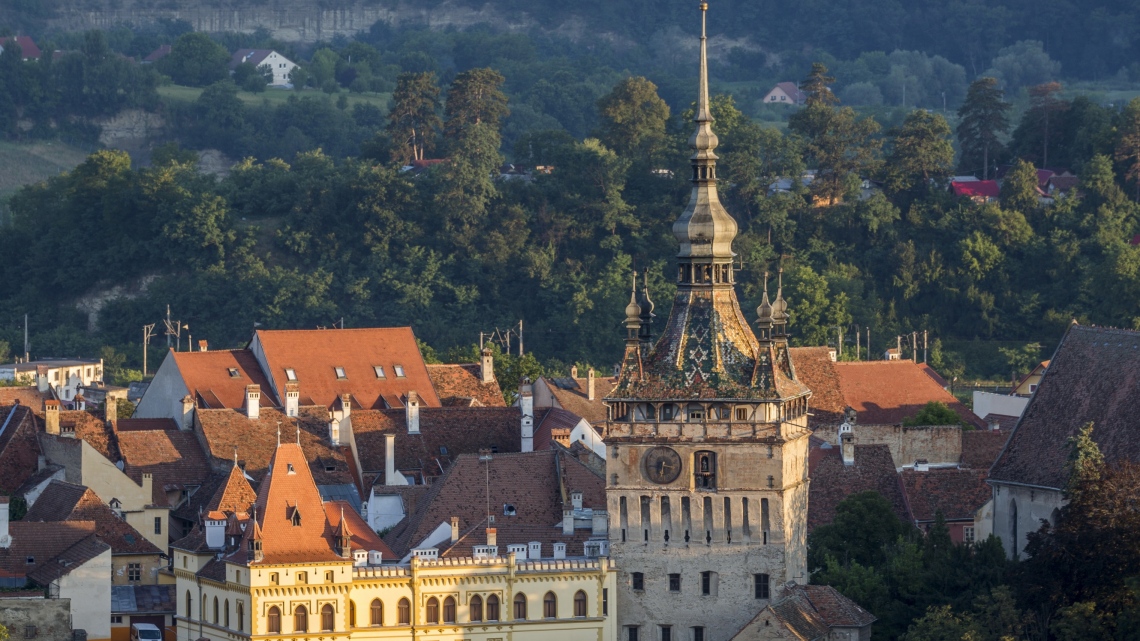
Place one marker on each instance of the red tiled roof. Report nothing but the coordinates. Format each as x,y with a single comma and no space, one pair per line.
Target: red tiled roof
1093,377
459,385
62,501
573,397
313,355
207,376
363,537
935,376
976,189
886,392
456,430
835,609
175,459
235,496
980,448
957,493
28,396
832,481
816,370
28,48
144,424
19,447
40,541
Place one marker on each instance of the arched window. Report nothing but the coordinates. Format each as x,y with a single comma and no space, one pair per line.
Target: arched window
377,613
327,623
493,608
189,606
226,611
404,612
240,616
580,604
520,607
274,619
449,610
433,610
301,619
215,609
476,608
549,606
352,614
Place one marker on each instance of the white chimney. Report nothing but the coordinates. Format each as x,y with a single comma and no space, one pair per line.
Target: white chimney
215,533
576,499
600,525
454,530
526,408
412,412
253,401
590,384
568,521
345,405
534,550
51,416
5,537
42,383
847,447
560,550
292,399
573,371
187,422
390,474
334,432
359,558
203,346
487,367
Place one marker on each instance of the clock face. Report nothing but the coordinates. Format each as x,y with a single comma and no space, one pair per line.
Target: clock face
662,465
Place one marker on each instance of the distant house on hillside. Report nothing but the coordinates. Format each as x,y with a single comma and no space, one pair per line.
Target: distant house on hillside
275,62
28,48
157,54
979,191
785,93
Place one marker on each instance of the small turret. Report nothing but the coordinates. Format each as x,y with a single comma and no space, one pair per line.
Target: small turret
780,309
764,315
343,537
633,316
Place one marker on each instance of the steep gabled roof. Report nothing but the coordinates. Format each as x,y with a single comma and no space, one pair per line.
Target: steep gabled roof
1093,377
175,459
980,448
212,385
816,369
957,493
62,501
314,354
573,396
19,447
793,91
40,542
556,420
463,386
28,48
235,496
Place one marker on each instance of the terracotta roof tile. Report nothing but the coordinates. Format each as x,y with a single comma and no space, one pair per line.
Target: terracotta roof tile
459,385
886,392
980,448
89,427
19,447
835,609
313,355
28,396
816,370
62,501
798,616
444,434
572,395
40,542
207,376
957,493
363,537
1093,377
144,424
832,481
235,496
173,457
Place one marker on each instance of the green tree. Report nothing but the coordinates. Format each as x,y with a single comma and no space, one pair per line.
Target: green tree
921,153
474,97
934,413
633,119
843,148
1021,360
195,60
1085,463
864,528
414,119
1128,144
817,86
322,69
1043,99
1019,190
814,310
983,120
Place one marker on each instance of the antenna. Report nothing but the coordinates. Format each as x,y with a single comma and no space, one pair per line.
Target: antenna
148,333
27,346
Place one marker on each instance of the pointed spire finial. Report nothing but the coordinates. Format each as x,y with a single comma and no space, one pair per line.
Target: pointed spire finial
298,433
278,433
235,457
703,114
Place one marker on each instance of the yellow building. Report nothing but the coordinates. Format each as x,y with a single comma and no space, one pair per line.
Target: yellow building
294,565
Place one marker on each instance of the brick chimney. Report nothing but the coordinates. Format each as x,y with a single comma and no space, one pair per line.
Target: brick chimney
253,401
5,537
187,422
203,346
51,416
492,536
590,384
847,447
292,398
526,409
412,412
454,530
487,367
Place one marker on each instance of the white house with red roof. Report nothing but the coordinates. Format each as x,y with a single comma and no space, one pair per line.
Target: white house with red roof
280,66
28,48
785,93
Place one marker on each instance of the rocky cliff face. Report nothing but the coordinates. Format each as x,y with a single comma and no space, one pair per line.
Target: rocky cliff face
290,20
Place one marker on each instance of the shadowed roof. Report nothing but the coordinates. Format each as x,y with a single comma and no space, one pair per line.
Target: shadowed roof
207,375
573,396
957,493
19,447
40,542
62,501
175,459
832,481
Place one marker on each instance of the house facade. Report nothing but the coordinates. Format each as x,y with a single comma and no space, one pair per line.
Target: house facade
63,376
266,59
785,93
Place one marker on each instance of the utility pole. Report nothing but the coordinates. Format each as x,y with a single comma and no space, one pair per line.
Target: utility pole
167,326
840,328
148,332
898,345
870,354
924,346
27,346
520,337
914,346
857,343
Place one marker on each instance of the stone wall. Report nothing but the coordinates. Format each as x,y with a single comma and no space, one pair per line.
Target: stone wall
51,618
934,443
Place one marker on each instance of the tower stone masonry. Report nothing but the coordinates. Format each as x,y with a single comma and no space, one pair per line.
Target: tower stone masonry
707,471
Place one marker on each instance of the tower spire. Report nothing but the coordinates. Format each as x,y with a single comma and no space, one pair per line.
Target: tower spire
703,113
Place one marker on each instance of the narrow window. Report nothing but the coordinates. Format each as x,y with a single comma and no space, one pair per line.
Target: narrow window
520,607
631,633
674,582
352,614
549,606
728,519
765,523
399,369
302,577
745,525
666,633
240,616
708,519
433,610
706,470
274,619
189,605
580,604
623,513
274,579
376,613
605,601
698,634
226,613
637,581
706,583
645,517
379,369
493,608
327,623
686,516
742,413
476,608
215,609
449,610
404,612
301,619
761,582
328,577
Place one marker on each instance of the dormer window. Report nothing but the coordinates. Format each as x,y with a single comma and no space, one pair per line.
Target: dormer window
379,369
295,518
399,370
31,560
290,374
696,413
234,373
340,373
290,468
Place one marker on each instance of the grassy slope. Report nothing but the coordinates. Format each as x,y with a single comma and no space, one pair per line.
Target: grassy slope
27,163
274,96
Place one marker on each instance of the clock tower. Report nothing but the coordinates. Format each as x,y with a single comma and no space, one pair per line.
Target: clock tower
706,470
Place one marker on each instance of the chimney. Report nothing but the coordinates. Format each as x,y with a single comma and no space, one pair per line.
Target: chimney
526,408
334,432
253,401
187,422
390,460
994,424
292,398
110,408
203,346
51,416
847,447
576,499
573,371
600,524
42,384
590,384
568,522
492,536
487,367
5,538
345,405
215,531
412,412
454,530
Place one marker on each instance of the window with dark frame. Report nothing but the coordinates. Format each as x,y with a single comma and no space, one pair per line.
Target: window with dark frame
706,583
580,604
158,525
134,572
674,582
761,582
631,633
637,580
666,633
605,601
698,633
